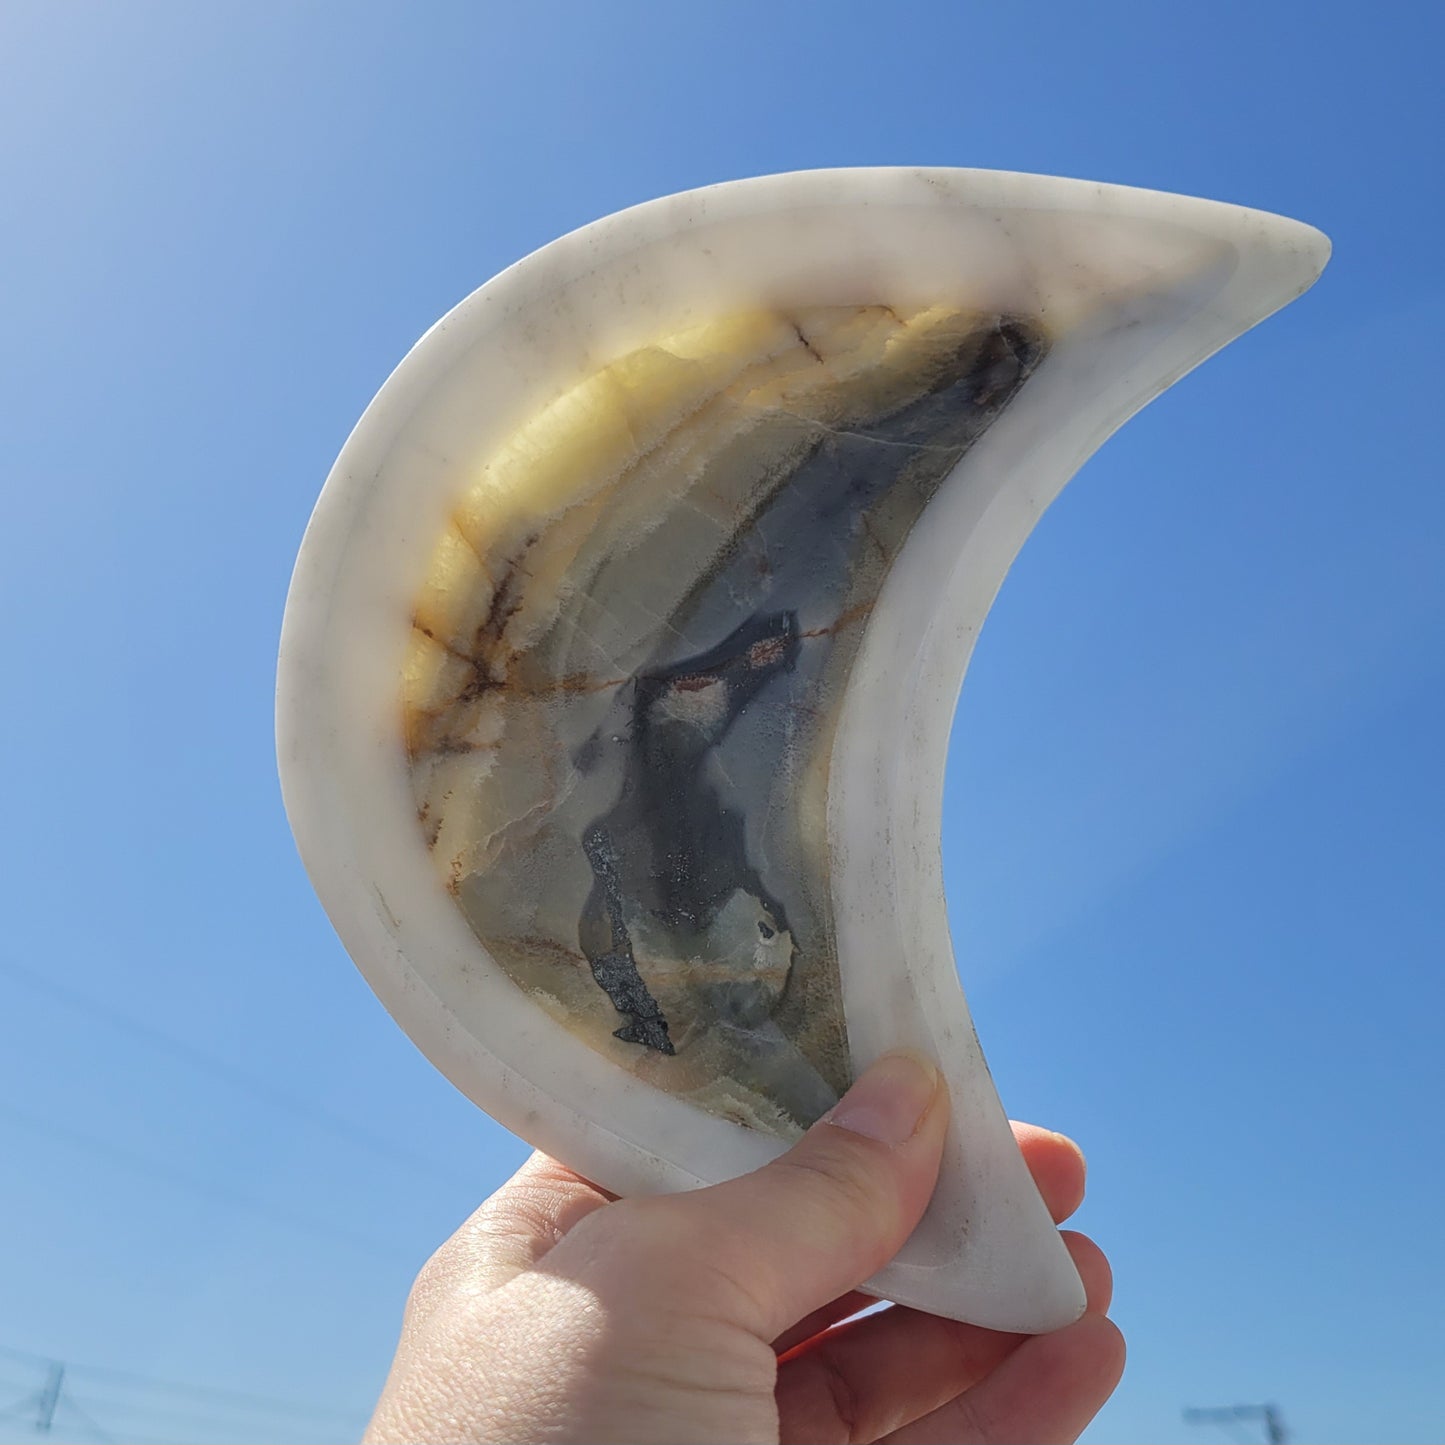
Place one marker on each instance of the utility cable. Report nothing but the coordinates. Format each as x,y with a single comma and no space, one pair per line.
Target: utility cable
219,1394
180,1179
237,1078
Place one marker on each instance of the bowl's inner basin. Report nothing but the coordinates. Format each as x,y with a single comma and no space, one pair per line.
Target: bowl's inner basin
626,667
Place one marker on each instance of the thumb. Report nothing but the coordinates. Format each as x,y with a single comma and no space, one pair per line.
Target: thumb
822,1218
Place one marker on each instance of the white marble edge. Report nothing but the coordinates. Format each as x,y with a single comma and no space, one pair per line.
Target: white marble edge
547,320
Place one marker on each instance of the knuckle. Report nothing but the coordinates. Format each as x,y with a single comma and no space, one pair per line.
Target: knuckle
974,1422
529,1216
433,1282
842,1396
818,1386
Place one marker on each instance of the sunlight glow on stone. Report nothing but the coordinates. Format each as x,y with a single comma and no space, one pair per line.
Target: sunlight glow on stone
626,663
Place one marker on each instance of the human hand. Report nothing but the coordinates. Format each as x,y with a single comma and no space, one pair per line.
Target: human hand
558,1314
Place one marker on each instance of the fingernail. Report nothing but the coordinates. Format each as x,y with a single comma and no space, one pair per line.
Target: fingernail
888,1103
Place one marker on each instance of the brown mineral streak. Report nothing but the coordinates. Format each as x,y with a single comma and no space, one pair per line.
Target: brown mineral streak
808,345
844,620
440,641
505,605
505,830
453,747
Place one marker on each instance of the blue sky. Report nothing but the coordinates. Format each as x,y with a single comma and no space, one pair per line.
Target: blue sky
1193,846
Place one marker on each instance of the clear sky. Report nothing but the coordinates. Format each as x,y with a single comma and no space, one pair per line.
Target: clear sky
1193,845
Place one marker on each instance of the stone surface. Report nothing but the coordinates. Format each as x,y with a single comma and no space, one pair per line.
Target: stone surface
627,663
621,653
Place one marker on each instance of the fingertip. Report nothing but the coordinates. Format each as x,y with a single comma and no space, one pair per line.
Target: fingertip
1047,1388
1094,1270
1057,1165
1074,1371
1104,1345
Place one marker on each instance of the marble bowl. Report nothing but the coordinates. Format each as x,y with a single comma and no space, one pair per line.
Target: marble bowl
621,653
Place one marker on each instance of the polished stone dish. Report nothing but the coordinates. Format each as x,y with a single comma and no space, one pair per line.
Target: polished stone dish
626,665
622,650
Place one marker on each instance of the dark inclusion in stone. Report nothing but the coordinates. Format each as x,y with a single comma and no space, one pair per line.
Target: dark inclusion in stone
672,853
669,846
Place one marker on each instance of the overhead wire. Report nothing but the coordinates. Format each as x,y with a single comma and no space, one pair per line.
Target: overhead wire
243,1414
165,1412
236,1077
250,1407
330,1230
67,1406
180,1387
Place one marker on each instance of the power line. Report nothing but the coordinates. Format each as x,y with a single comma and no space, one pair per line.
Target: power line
7,1380
237,1078
196,1184
242,1413
166,1410
71,1408
149,1439
181,1387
